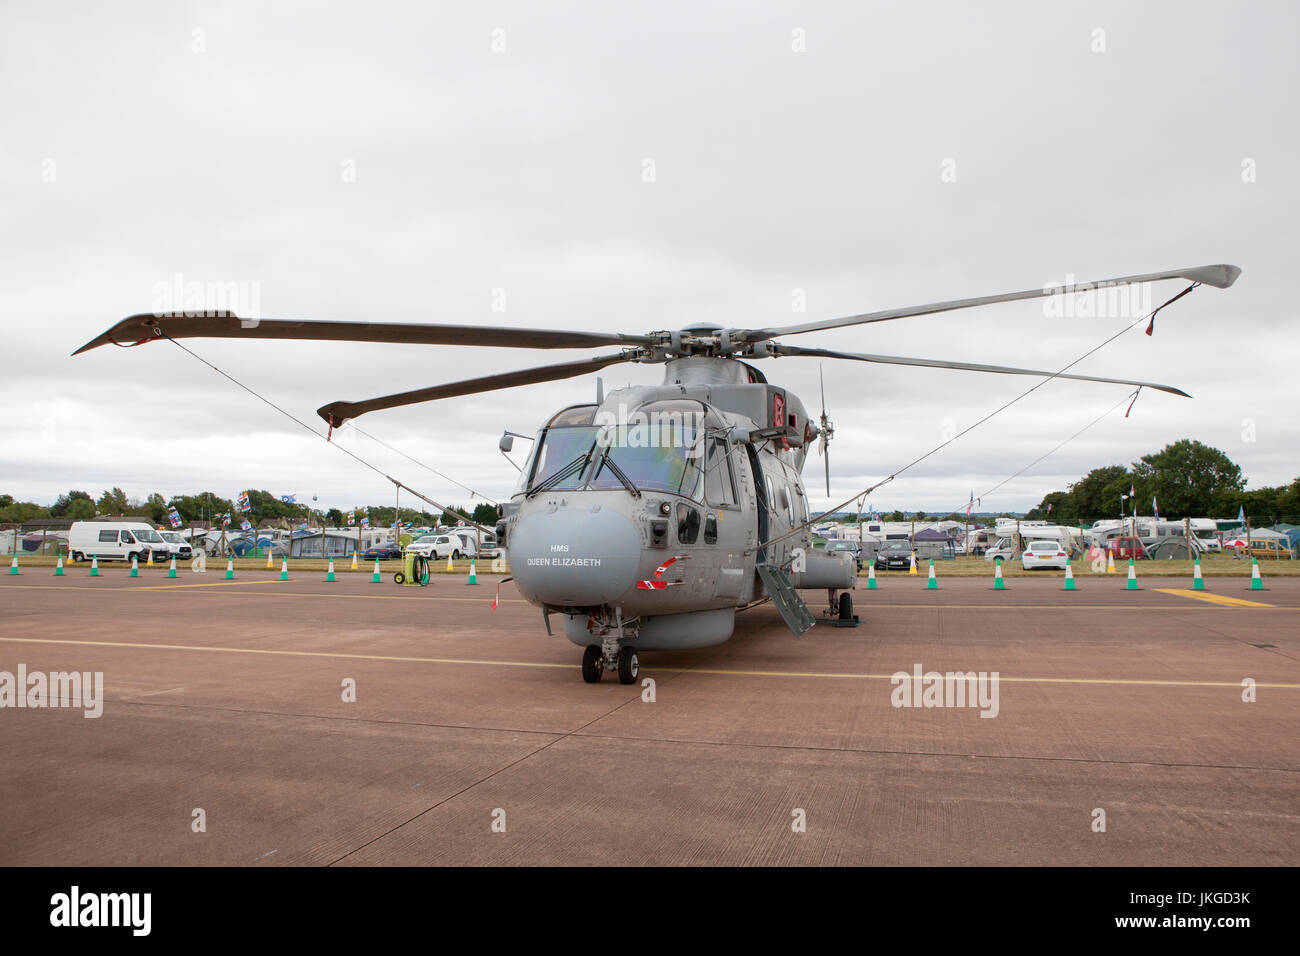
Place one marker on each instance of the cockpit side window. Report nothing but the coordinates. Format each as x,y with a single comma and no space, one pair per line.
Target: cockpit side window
719,484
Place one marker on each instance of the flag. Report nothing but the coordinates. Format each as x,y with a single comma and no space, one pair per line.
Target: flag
1049,507
1241,514
173,516
288,499
365,521
1131,492
243,502
244,525
225,520
970,504
1155,508
351,519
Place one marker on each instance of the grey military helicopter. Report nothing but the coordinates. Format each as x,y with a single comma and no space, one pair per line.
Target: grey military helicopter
647,518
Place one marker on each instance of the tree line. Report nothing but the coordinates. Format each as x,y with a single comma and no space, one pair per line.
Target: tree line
1187,479
209,507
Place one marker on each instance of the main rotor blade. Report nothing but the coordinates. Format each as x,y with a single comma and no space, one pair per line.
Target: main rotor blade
338,412
965,366
226,325
1219,276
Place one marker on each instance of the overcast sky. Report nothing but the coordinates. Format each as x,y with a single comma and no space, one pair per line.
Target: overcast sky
402,161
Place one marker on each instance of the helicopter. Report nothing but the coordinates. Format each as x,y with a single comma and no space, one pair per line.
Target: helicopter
648,518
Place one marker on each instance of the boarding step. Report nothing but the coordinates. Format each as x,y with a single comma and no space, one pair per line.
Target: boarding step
786,599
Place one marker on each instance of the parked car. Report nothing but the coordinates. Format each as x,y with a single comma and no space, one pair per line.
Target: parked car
1266,548
115,541
895,554
423,544
1044,554
1209,545
846,547
382,552
1125,547
177,545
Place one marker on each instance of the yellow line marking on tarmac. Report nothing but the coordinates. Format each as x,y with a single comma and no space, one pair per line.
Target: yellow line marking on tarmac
1213,598
677,670
360,597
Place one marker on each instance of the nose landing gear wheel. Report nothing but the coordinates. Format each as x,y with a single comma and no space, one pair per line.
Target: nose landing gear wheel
593,664
628,665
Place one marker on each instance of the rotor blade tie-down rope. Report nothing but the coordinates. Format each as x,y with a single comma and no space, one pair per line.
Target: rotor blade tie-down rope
296,420
813,520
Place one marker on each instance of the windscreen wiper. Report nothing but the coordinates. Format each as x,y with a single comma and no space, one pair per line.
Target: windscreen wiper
608,462
571,468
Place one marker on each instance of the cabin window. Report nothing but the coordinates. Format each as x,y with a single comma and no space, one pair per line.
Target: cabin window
719,485
688,524
108,537
711,530
126,538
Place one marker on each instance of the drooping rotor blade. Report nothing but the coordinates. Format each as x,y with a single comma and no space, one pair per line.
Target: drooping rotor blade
1219,276
966,366
336,413
226,325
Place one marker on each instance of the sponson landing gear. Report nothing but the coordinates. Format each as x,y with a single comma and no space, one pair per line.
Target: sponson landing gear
840,609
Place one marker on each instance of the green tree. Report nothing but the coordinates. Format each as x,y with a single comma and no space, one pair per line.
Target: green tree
63,505
485,514
1096,494
1189,478
113,502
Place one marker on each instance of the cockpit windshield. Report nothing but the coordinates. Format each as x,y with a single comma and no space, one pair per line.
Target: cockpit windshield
660,449
668,459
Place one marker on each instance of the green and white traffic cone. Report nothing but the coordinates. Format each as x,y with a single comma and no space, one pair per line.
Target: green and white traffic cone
230,569
871,576
473,575
171,569
284,569
1132,584
13,567
1198,582
94,567
330,577
58,569
1069,577
135,566
998,583
931,584
1256,582
375,578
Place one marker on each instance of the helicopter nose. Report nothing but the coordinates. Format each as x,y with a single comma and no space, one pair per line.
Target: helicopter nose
574,557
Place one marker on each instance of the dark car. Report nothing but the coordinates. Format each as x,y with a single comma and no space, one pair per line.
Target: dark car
383,552
845,547
896,554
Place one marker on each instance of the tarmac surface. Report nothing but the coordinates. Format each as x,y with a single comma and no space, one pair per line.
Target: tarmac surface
227,697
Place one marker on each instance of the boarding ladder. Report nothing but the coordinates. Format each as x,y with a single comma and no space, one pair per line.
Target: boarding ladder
786,598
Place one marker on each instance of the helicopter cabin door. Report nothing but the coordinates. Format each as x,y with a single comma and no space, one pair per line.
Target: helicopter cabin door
725,532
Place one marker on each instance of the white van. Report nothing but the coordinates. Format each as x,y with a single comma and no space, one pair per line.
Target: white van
116,541
177,544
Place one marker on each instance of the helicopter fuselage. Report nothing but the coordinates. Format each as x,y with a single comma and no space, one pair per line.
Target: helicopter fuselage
672,496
